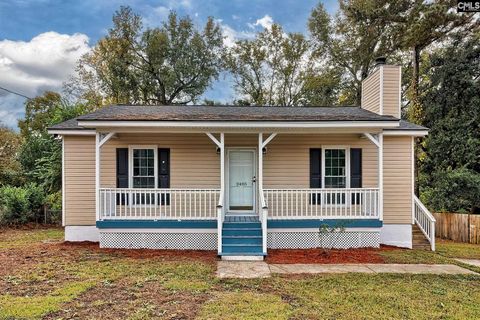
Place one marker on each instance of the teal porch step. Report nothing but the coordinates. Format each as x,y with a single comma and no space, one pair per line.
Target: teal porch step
242,236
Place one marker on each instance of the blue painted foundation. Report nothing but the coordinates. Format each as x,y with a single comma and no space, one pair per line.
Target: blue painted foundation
316,223
157,224
212,224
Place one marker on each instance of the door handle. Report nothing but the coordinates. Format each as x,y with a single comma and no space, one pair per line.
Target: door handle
254,179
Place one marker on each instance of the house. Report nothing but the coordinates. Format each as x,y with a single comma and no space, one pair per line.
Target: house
241,180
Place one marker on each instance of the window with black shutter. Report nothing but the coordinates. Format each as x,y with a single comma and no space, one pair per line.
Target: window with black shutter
164,174
356,173
315,174
122,173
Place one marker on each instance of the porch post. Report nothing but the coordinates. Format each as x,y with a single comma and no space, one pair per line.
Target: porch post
97,175
222,166
380,175
99,142
260,169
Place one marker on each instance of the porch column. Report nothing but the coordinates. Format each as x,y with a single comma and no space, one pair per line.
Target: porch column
262,144
221,145
380,175
378,141
100,140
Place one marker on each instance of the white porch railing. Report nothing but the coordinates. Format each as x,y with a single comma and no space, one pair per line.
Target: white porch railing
351,203
425,221
157,204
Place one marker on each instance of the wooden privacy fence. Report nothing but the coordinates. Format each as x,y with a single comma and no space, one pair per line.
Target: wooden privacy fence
458,227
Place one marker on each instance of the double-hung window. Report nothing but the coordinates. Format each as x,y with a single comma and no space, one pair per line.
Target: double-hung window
335,173
143,160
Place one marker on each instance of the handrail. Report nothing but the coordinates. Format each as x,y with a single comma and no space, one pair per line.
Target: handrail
263,220
425,221
220,219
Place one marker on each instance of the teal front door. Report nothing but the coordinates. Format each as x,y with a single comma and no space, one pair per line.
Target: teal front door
241,180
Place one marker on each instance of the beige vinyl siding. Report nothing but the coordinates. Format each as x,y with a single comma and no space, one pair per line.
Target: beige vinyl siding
371,92
196,164
79,181
287,162
391,90
397,180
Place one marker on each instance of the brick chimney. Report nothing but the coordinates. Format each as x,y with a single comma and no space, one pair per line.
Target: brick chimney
381,89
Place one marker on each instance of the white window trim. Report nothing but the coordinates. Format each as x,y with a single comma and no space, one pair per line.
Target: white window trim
347,163
130,163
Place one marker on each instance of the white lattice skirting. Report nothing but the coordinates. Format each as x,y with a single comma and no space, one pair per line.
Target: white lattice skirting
147,240
340,240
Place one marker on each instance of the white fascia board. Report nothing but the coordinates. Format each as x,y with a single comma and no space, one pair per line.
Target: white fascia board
72,132
239,124
414,133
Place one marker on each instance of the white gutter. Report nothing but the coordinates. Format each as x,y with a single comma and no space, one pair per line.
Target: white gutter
414,133
66,132
238,124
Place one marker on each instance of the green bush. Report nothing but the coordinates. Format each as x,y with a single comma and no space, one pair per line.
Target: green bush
454,191
19,205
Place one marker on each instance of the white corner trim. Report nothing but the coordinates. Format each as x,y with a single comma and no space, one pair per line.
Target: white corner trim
414,133
238,124
413,179
82,233
398,235
72,132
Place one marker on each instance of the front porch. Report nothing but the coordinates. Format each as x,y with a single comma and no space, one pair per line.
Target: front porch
274,198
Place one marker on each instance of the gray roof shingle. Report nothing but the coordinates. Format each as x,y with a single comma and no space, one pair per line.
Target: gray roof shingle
228,113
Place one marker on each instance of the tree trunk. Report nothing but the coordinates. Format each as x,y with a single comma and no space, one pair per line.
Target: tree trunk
416,112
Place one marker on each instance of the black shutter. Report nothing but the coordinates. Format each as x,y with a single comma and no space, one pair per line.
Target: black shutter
122,172
356,172
164,174
315,173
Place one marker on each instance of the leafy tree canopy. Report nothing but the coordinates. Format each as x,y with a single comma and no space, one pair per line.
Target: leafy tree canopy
452,148
172,64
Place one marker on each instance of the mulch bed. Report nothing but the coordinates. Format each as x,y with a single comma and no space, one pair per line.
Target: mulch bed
362,255
196,255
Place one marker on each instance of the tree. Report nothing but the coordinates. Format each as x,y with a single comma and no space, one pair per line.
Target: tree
9,166
39,112
423,24
172,64
40,155
271,69
360,32
452,148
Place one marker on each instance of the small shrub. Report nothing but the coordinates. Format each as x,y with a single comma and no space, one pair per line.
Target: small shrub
20,205
14,206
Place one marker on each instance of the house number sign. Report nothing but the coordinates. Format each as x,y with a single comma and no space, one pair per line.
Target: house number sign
241,184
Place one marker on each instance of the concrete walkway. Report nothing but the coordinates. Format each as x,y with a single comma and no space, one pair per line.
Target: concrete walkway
260,269
472,262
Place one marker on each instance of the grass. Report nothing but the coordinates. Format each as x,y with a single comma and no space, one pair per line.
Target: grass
43,279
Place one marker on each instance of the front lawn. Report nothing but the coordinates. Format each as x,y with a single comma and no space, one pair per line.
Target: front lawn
41,277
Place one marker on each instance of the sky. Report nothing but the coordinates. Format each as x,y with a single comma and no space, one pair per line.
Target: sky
42,40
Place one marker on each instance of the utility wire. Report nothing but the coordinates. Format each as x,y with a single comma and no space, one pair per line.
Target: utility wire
16,93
